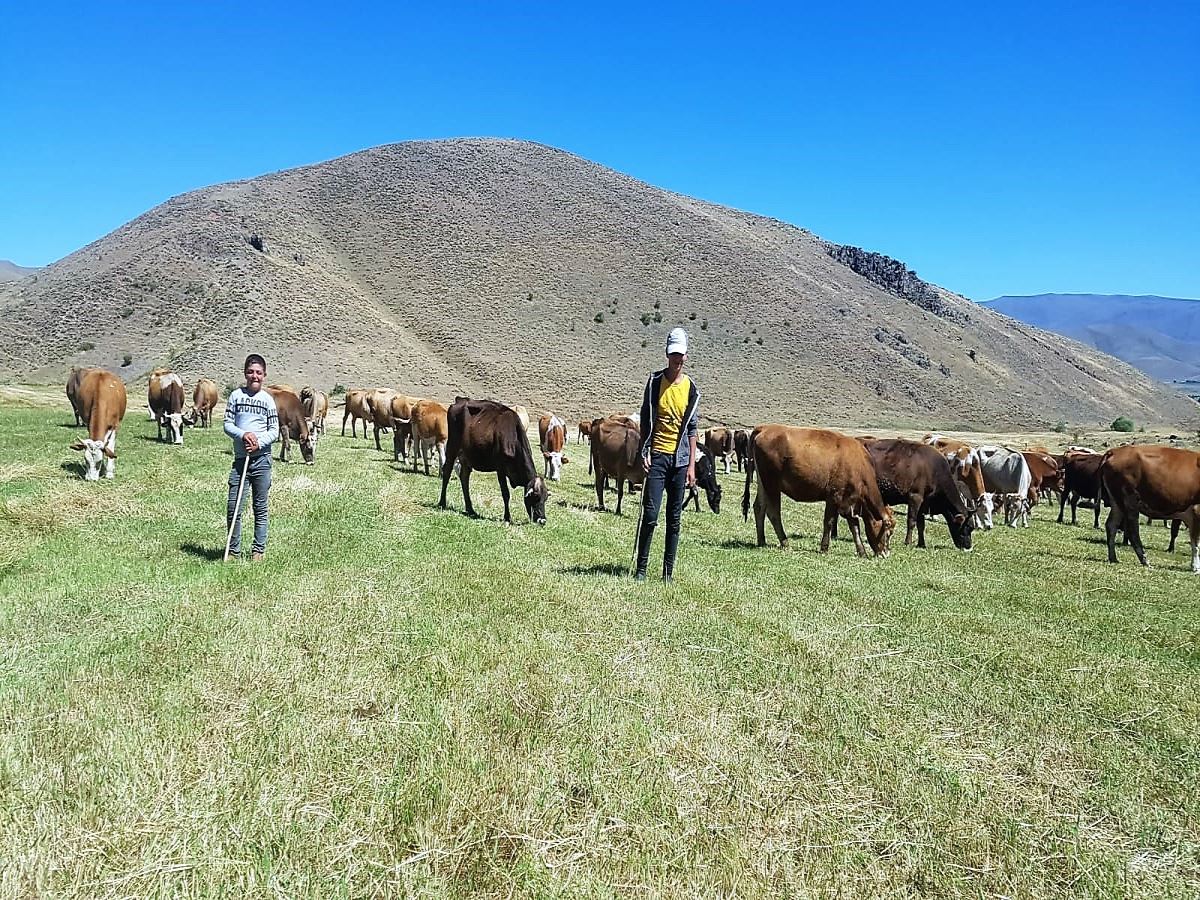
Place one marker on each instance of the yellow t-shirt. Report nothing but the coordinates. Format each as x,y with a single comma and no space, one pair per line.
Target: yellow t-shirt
668,421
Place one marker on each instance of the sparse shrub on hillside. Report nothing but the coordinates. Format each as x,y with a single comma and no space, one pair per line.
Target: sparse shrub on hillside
746,339
1122,423
657,304
704,325
657,317
787,323
529,297
643,342
338,390
760,342
127,360
257,243
646,318
1142,429
598,317
691,317
1060,427
87,345
126,312
192,335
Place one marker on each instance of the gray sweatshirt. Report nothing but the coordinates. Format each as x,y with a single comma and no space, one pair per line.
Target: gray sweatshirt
251,412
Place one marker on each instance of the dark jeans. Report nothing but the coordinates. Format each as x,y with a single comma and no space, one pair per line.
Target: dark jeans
663,475
258,482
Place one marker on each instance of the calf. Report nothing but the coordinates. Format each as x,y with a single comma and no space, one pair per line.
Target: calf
293,426
706,478
816,465
1162,482
102,402
166,404
918,476
585,431
488,436
553,434
719,442
615,445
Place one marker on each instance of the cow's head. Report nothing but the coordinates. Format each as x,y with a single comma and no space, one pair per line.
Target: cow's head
879,531
189,418
707,479
308,443
557,459
962,526
95,453
174,423
983,511
535,500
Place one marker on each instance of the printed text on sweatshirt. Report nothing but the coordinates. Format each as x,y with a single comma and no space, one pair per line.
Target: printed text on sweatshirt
251,412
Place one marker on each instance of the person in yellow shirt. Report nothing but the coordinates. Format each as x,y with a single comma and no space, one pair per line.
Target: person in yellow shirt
669,416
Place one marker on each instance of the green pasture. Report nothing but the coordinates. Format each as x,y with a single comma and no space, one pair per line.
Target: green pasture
403,701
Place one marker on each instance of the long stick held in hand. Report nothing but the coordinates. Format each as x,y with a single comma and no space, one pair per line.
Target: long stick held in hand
237,507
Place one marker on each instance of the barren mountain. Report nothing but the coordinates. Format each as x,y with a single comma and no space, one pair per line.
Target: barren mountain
10,271
514,270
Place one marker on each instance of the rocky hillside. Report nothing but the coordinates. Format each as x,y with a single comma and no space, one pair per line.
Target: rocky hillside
509,269
10,271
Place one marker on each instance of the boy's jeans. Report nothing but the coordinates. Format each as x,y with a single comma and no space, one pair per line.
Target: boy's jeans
258,482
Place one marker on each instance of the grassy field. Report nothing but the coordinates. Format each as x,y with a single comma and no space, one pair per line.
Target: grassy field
403,701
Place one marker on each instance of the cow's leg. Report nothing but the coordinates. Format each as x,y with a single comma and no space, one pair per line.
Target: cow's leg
1062,508
1194,537
828,523
921,529
599,489
620,493
397,444
1175,523
760,513
376,426
446,469
912,524
345,416
504,493
856,532
464,476
775,514
1133,530
1111,526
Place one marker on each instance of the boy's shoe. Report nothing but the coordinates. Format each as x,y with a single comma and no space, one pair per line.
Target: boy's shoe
639,576
256,556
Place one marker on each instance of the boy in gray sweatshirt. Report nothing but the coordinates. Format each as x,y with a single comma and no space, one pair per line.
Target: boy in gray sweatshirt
252,422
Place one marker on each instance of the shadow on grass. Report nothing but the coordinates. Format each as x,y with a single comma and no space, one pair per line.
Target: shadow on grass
67,425
75,468
613,569
209,553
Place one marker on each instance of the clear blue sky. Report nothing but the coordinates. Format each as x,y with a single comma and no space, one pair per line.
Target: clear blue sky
995,148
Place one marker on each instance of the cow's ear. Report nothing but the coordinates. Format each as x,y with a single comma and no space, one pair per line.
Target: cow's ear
110,453
78,445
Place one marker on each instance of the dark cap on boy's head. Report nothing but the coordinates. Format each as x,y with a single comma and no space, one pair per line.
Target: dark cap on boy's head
252,359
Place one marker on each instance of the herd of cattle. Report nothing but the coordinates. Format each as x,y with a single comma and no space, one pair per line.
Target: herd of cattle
857,478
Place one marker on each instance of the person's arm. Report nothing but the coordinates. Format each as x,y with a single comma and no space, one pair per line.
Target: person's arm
272,433
231,427
693,430
644,424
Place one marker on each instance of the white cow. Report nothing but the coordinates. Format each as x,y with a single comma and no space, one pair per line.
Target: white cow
1005,473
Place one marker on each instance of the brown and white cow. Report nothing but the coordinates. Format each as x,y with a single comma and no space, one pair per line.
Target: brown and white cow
102,401
430,428
966,465
488,436
73,382
552,435
1161,482
918,476
204,401
293,425
616,443
316,408
357,407
814,465
719,442
166,404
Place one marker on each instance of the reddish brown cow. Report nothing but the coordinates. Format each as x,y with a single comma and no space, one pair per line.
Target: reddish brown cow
102,401
316,408
552,434
430,430
357,408
719,442
1044,473
741,447
73,382
585,431
380,403
1161,482
204,401
615,445
815,465
293,426
918,476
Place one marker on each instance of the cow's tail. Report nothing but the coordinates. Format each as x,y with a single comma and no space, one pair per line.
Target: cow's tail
750,467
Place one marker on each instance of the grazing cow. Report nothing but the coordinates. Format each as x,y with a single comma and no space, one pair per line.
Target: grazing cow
488,436
400,415
155,374
1006,475
965,465
102,402
380,403
1162,482
918,476
166,403
741,446
357,407
585,431
204,401
430,430
1045,477
73,382
316,408
293,426
706,477
719,442
1081,480
615,451
815,465
552,432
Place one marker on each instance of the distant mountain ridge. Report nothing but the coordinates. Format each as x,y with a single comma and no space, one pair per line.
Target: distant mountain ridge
1159,335
10,271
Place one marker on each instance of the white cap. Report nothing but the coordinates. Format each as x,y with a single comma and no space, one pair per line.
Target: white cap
677,341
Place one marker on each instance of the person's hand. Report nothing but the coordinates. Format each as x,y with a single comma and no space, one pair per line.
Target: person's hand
690,478
250,439
646,464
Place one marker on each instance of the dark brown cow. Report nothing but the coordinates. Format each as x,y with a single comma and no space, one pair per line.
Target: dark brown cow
293,426
357,407
813,465
73,382
488,436
741,447
165,395
204,401
1081,480
102,401
918,476
1162,482
719,442
615,445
